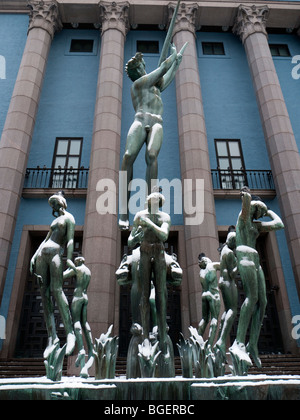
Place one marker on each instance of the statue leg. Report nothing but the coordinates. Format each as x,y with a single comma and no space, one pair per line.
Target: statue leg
76,311
248,274
230,299
205,317
56,274
145,273
161,297
87,330
258,317
135,139
166,367
153,147
215,306
42,270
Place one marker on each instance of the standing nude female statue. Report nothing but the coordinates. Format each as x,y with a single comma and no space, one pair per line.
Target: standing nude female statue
248,229
47,265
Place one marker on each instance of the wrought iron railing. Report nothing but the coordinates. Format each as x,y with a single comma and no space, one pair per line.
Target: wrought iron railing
236,179
57,178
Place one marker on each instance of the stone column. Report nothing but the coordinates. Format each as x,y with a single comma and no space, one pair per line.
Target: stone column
281,144
200,235
19,125
101,230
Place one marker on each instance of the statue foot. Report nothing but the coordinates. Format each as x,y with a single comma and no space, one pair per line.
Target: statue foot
80,358
240,359
51,344
71,341
84,373
123,224
254,354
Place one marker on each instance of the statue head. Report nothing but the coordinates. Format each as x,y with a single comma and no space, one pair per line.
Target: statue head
135,68
203,260
156,198
231,237
79,261
258,208
58,203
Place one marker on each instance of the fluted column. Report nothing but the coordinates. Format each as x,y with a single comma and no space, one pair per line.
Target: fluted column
280,140
19,125
101,230
200,232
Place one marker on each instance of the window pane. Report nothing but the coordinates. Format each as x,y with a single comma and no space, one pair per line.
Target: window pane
224,163
219,48
207,48
60,161
274,51
82,45
147,47
62,147
284,51
74,162
234,148
280,50
236,163
75,147
222,148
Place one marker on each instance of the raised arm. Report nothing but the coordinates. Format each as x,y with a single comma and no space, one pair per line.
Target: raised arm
169,76
246,203
153,78
274,224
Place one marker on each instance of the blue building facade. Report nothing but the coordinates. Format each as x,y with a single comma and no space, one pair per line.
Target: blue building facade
66,112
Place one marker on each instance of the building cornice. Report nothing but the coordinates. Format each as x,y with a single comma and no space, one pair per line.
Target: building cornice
283,14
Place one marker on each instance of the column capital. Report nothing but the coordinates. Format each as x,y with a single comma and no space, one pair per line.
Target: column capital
186,17
251,19
114,15
45,15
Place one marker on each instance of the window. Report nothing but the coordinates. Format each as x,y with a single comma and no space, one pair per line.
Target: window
280,50
230,164
213,48
147,47
66,163
82,46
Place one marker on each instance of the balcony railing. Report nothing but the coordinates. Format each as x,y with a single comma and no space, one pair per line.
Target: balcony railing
236,179
58,178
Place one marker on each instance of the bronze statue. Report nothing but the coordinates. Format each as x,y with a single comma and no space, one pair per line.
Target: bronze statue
128,273
79,314
248,229
47,264
151,229
228,287
211,301
147,126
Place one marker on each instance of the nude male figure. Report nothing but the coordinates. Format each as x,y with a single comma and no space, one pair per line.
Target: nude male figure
147,126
